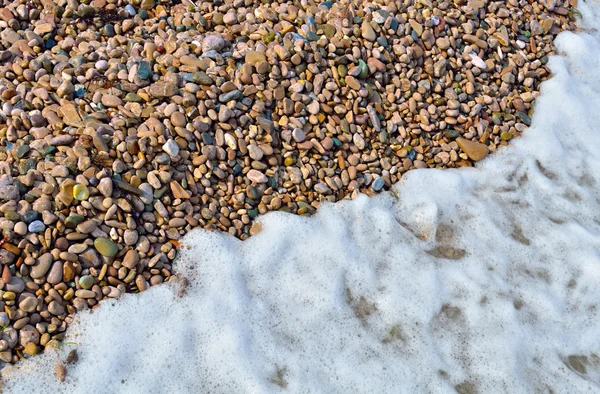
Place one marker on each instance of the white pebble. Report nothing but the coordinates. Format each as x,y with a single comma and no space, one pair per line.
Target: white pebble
171,148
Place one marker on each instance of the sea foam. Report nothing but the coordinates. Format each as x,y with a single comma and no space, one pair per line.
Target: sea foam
482,280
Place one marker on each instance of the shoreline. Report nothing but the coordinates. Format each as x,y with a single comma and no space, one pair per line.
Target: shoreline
113,150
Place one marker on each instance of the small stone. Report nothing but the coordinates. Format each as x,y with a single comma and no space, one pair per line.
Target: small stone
417,27
30,349
130,10
230,96
29,304
131,259
7,257
298,135
144,70
314,107
368,33
42,266
478,62
257,176
105,186
322,188
255,152
130,237
378,184
111,101
37,226
178,119
171,148
87,294
56,309
105,247
352,82
163,90
213,42
56,273
81,192
147,4
474,150
86,282
254,57
179,191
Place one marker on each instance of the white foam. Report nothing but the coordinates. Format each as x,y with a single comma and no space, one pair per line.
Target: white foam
317,298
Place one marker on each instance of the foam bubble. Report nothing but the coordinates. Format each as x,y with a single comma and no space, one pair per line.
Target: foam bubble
469,280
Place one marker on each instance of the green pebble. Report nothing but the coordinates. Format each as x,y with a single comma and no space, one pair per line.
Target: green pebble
86,282
48,150
12,215
22,151
133,98
105,247
364,69
73,220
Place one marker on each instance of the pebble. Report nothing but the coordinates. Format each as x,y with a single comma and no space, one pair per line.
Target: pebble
255,152
378,184
257,176
105,247
86,282
36,226
42,266
131,259
171,148
368,33
55,308
475,150
29,304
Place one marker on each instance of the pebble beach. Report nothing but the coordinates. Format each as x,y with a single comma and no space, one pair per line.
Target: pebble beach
126,124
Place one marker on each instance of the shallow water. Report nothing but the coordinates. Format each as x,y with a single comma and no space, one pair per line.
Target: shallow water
484,279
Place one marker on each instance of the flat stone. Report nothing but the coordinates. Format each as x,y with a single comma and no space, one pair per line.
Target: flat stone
16,285
474,150
86,282
163,90
147,4
254,57
255,152
298,135
70,115
378,184
257,176
322,188
416,26
352,82
213,42
42,266
131,259
266,124
171,148
6,257
230,96
37,226
55,308
179,191
111,101
105,247
85,294
56,273
178,119
105,186
314,107
28,304
368,33
43,28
